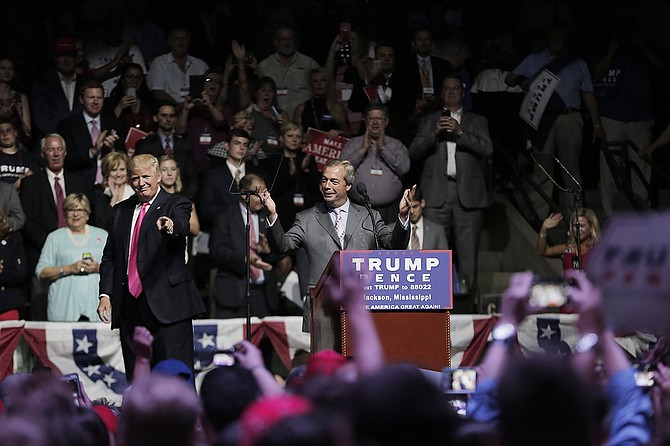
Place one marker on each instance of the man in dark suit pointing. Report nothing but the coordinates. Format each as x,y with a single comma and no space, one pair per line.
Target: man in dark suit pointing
143,276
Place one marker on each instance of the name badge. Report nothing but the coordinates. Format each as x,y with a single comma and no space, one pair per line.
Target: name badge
282,91
206,138
273,141
183,92
327,118
428,91
298,199
376,171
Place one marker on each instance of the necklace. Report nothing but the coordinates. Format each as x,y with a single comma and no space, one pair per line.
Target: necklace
79,240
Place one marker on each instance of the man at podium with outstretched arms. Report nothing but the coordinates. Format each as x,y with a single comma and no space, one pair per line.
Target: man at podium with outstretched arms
335,224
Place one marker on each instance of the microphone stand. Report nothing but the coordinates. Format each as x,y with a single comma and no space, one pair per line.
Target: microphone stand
577,228
366,203
247,229
576,194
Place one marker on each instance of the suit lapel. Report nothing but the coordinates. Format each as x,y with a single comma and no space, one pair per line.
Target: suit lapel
323,217
354,220
153,212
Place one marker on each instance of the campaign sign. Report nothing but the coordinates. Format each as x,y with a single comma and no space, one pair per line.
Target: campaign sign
537,98
403,280
631,264
322,147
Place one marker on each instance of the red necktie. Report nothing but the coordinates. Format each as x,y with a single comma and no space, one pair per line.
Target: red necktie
59,202
169,151
134,282
254,272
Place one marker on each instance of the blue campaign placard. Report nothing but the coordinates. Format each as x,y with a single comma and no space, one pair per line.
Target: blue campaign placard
403,280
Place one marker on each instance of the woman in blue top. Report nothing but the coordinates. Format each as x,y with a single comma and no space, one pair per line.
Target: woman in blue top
70,261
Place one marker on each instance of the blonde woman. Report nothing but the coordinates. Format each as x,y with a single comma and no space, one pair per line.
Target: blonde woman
70,261
171,182
113,189
589,233
322,111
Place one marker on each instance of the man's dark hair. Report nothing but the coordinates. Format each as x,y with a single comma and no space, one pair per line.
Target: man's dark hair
225,393
240,133
9,119
90,84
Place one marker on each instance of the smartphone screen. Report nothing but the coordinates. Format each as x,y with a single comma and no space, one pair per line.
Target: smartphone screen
345,32
548,295
460,380
72,381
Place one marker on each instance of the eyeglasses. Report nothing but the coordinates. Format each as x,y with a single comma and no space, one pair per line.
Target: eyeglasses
76,211
211,79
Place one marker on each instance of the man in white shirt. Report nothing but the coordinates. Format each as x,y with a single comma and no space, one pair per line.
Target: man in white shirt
288,68
452,144
169,75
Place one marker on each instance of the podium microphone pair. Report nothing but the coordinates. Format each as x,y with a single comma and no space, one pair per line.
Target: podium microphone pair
362,190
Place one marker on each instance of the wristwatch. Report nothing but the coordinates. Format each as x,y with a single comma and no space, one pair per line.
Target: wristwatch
504,333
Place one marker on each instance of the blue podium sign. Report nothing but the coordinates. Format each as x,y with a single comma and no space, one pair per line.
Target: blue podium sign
403,280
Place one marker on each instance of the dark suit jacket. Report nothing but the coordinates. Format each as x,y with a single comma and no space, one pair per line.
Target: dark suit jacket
227,246
49,106
412,72
314,230
14,272
215,193
78,140
471,150
168,286
183,155
400,106
40,208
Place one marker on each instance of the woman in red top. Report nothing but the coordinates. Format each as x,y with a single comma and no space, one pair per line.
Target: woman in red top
589,233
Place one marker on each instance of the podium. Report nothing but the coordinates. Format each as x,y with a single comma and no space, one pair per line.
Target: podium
420,337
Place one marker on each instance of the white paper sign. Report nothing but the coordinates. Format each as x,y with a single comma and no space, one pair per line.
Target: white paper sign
537,98
632,266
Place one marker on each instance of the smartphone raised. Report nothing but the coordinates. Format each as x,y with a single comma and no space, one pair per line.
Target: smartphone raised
459,380
548,293
196,86
73,383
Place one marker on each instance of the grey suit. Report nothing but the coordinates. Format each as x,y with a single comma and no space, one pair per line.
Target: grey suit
455,203
434,235
11,206
313,229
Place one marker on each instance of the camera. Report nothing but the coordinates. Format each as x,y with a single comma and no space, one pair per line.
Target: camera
224,358
548,293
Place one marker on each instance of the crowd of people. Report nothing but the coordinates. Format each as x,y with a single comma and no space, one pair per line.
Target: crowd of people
150,152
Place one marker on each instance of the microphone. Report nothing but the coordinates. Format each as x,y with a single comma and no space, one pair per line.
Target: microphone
362,190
